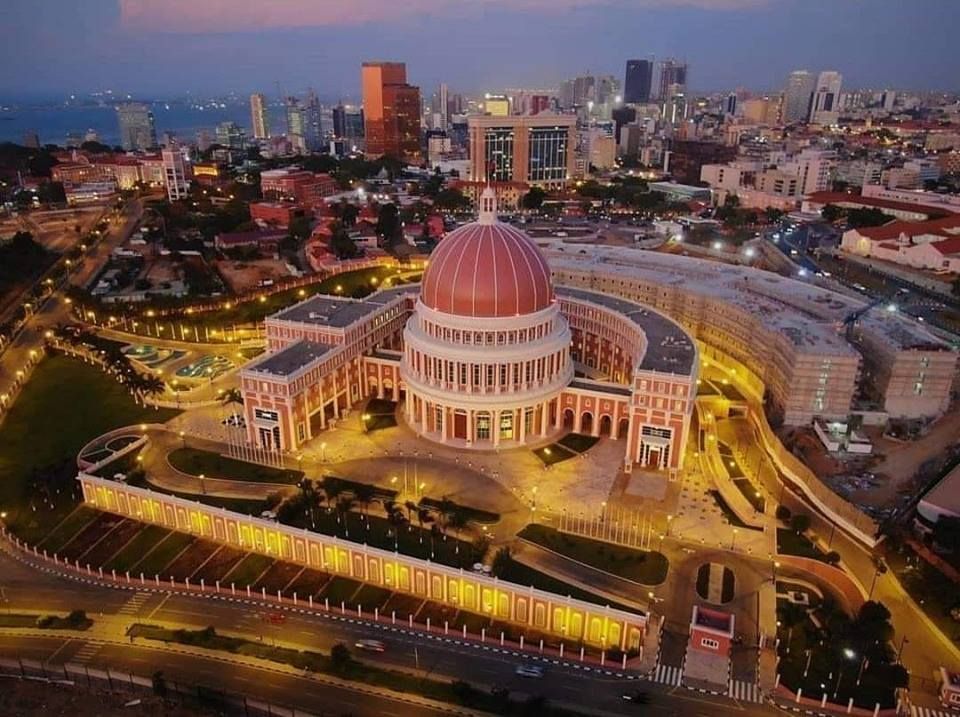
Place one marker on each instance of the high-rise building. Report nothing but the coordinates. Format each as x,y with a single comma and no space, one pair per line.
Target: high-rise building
674,106
175,175
391,111
443,93
622,116
637,81
673,74
230,135
797,96
313,122
814,167
296,124
137,128
537,150
825,106
496,105
347,122
258,116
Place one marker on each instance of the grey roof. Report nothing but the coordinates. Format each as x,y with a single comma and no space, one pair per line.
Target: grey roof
669,348
325,310
291,359
614,388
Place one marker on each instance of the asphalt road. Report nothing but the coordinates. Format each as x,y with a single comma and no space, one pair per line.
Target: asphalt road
27,589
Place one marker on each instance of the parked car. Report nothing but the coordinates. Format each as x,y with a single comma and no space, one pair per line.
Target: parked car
370,645
529,671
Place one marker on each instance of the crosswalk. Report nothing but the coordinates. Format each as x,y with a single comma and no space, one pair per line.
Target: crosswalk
744,691
918,711
86,653
668,675
135,603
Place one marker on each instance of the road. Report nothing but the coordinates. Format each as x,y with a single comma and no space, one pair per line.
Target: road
54,310
113,610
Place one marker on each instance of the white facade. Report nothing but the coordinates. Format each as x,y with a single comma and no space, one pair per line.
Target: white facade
797,96
175,176
814,167
825,107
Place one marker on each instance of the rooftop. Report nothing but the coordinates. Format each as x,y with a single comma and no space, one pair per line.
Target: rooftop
808,315
876,202
669,348
289,360
322,310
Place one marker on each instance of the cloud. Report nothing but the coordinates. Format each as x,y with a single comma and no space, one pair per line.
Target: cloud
204,16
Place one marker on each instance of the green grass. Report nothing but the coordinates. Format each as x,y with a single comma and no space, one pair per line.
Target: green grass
790,542
133,551
248,570
339,589
646,567
521,574
578,442
68,527
372,596
474,515
66,404
213,465
74,621
554,453
728,513
750,493
158,558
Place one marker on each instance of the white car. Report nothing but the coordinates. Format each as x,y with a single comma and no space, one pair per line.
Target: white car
529,671
370,645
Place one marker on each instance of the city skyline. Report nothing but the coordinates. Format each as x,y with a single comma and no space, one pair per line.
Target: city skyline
114,44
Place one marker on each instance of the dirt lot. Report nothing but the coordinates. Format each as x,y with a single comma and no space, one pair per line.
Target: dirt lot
243,276
26,699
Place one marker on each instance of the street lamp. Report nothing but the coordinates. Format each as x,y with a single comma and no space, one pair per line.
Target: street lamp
733,541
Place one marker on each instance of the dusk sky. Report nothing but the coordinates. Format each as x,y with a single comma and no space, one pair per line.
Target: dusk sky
161,48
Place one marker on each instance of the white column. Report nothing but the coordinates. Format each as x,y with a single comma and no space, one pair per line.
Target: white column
523,424
577,416
423,416
379,380
444,425
495,429
323,411
336,400
544,418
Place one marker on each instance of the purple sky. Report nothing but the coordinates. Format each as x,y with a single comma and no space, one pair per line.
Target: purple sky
168,47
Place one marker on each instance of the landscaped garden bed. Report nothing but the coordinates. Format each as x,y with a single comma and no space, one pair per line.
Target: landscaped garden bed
278,576
163,553
70,526
578,442
248,570
113,542
127,557
195,462
645,567
309,582
554,453
220,564
187,563
89,536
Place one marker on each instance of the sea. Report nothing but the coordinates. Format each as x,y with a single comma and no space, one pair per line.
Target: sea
54,123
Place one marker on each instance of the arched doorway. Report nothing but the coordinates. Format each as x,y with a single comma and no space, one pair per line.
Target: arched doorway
606,423
586,422
623,427
568,418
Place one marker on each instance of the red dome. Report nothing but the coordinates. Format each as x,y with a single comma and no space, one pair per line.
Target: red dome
487,269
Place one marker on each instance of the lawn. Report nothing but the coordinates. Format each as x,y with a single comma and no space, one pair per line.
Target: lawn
645,567
146,539
161,555
339,589
248,570
554,453
790,542
213,465
79,519
578,442
520,574
728,513
66,404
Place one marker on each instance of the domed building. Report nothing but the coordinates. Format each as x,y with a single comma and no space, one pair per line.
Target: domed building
484,354
487,351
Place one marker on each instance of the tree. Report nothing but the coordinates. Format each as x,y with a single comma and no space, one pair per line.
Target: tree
773,215
349,214
783,513
502,561
159,684
365,493
832,212
340,657
332,489
872,217
232,395
389,228
832,558
534,198
342,245
299,228
800,523
451,199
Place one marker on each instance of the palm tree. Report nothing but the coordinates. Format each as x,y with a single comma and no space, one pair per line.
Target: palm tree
364,493
445,511
232,395
458,521
411,507
345,504
332,489
423,516
148,385
309,495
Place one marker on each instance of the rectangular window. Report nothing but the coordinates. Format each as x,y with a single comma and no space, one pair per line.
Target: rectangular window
709,643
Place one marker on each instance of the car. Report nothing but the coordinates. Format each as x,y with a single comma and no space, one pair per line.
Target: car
276,618
640,697
532,671
370,645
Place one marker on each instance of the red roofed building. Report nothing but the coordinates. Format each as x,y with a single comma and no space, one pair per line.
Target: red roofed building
276,214
933,245
302,187
906,211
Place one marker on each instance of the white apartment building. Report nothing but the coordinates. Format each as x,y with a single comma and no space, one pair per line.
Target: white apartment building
814,167
176,177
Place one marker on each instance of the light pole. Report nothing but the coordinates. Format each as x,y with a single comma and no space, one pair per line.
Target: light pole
733,541
203,485
880,568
